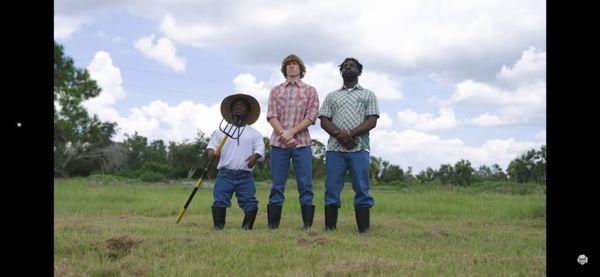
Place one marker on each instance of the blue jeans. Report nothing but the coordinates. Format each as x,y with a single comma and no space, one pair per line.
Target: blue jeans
337,163
239,181
280,167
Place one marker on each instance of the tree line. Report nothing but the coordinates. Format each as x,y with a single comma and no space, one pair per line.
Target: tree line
83,145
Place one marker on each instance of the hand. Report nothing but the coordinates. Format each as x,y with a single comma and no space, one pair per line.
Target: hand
291,143
252,160
347,143
211,154
343,137
286,135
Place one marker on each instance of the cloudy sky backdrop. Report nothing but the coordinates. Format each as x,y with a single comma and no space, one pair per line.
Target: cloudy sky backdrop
454,79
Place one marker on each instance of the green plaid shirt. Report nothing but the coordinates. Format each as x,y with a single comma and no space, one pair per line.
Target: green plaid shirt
348,108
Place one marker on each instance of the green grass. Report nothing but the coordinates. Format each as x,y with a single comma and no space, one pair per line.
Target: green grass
112,226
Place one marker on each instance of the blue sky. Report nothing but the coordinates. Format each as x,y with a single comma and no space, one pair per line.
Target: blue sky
454,79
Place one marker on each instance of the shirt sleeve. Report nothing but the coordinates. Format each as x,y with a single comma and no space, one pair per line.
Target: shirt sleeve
272,106
372,106
214,141
326,109
313,105
259,146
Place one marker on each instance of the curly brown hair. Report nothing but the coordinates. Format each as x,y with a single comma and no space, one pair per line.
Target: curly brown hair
293,58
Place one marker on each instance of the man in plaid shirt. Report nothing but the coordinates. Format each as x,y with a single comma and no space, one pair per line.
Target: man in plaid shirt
347,115
293,107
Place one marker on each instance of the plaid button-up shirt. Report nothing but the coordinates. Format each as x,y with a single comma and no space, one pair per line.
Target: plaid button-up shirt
291,103
348,108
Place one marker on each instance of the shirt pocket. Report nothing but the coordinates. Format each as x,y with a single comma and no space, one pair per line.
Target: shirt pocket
361,105
302,105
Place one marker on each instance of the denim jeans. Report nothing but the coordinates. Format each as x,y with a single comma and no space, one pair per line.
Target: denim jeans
239,181
280,167
337,163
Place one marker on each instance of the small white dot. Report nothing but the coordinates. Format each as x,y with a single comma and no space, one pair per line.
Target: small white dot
18,124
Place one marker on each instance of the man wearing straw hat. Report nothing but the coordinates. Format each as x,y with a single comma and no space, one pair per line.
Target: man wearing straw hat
237,159
293,107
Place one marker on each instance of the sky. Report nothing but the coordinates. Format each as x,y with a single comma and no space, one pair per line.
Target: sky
454,79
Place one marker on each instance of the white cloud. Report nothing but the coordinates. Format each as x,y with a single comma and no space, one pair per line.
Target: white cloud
486,119
524,102
158,120
109,79
65,26
471,93
384,121
163,51
408,35
197,35
427,121
421,150
246,83
530,68
325,77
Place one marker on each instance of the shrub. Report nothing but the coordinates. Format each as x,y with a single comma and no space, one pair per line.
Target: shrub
151,176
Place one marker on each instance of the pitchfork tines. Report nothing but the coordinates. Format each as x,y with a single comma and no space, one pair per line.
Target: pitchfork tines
232,131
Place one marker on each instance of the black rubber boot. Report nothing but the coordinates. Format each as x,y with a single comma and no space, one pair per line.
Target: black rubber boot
273,216
331,214
249,218
219,215
308,212
362,219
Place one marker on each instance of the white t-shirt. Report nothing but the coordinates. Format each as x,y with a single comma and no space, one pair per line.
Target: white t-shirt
233,156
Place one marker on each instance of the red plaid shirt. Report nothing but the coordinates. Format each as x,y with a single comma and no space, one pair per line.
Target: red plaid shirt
291,103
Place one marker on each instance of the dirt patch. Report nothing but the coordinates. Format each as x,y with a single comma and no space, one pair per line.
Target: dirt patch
63,268
122,243
313,240
313,233
438,233
360,267
139,271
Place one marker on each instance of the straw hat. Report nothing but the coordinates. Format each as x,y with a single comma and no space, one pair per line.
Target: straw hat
253,113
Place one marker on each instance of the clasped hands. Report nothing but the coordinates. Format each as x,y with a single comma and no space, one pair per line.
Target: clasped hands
344,138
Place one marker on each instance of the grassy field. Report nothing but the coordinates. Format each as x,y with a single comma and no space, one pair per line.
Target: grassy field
108,226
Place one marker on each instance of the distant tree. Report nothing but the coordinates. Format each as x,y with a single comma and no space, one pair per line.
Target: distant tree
375,167
445,174
497,172
188,156
392,173
78,137
463,172
518,171
157,152
137,146
113,158
529,167
408,175
427,175
484,172
262,169
318,159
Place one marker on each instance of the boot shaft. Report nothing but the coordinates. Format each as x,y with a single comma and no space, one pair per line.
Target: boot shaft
273,216
362,219
219,214
249,218
308,213
331,215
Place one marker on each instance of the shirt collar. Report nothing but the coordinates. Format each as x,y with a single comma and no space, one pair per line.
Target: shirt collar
298,83
352,88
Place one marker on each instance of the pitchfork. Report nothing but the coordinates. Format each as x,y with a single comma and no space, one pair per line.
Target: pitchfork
230,130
